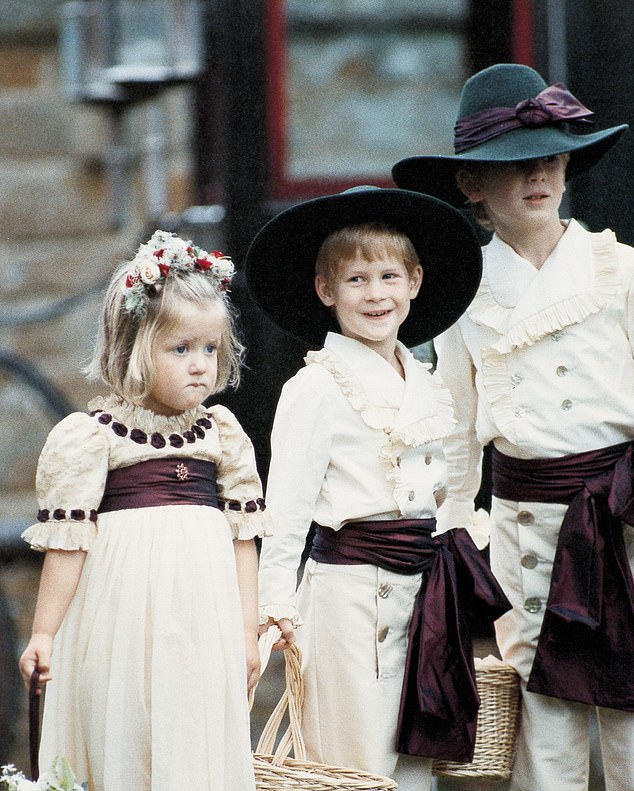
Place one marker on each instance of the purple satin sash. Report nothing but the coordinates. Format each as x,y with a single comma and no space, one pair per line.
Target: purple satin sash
439,700
169,481
554,105
585,650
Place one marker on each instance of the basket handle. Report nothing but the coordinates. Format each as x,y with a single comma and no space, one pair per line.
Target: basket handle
291,700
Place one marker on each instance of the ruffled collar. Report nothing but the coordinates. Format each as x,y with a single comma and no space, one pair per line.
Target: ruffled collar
578,279
138,417
411,411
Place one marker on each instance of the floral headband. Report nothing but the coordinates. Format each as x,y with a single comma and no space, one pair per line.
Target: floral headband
164,253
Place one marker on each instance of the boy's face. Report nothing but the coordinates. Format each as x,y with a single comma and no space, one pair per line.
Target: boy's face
371,298
519,195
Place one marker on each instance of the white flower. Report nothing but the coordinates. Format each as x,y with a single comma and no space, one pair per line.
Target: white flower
149,272
223,268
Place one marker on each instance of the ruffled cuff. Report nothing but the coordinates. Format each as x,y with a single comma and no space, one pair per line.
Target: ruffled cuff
63,534
246,525
454,512
277,611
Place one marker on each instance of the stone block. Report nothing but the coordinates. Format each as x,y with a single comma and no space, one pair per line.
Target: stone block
51,198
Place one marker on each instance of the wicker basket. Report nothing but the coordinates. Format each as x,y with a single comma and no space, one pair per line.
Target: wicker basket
498,720
275,771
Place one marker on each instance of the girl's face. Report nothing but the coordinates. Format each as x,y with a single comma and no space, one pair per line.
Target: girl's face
185,359
523,195
371,299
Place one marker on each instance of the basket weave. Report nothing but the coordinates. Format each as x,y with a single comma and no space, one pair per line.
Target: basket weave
498,720
275,771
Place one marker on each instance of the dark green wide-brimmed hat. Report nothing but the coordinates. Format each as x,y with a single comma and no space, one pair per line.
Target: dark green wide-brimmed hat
280,263
508,113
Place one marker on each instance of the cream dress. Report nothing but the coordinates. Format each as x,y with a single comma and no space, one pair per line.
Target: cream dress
149,674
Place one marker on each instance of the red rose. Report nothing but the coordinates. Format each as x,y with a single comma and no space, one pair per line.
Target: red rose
164,269
158,253
202,263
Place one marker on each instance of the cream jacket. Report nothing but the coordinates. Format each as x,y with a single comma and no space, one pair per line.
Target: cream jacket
351,441
542,362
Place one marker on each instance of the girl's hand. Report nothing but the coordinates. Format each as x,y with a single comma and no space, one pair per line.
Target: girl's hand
286,628
253,661
37,655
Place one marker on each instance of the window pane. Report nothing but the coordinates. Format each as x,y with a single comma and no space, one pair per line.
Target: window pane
367,85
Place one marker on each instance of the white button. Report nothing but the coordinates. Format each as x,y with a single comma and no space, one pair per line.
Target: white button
382,633
533,604
556,336
528,561
525,518
520,411
412,495
561,370
516,379
566,405
384,590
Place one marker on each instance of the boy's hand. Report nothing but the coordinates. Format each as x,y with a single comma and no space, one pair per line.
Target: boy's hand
286,628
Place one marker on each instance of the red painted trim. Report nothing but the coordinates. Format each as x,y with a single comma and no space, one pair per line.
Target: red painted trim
523,32
275,46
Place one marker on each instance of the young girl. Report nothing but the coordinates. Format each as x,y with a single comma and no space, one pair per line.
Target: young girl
149,506
357,446
542,366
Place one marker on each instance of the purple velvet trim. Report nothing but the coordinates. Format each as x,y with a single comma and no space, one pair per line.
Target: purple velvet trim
197,431
59,514
171,481
586,646
249,507
439,701
553,105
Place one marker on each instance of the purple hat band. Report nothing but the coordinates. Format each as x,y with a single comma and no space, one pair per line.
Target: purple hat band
554,104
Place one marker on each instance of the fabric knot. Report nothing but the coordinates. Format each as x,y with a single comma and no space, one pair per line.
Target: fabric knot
533,112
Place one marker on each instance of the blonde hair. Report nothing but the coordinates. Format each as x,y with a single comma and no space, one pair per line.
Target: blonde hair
370,241
474,171
123,352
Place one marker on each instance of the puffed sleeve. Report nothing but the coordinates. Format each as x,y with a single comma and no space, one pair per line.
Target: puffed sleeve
70,480
239,485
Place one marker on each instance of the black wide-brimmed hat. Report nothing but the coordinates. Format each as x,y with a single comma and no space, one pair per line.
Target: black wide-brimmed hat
280,263
508,113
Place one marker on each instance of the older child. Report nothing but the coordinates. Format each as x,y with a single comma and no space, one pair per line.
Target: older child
357,446
148,509
542,366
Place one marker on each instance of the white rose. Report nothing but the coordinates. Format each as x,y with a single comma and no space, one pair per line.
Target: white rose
223,268
149,272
